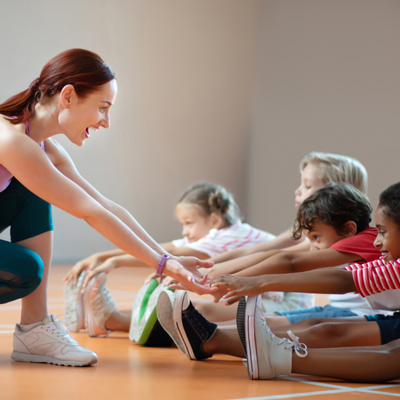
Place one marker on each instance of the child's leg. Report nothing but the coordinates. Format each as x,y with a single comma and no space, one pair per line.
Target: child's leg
286,319
215,312
358,364
337,334
225,341
119,320
308,323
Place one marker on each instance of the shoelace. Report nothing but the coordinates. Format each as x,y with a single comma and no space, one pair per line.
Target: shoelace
58,329
199,322
101,300
299,348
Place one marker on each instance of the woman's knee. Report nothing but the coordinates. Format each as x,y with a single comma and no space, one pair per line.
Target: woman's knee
33,273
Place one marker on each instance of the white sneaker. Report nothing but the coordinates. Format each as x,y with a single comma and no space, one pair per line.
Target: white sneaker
49,342
267,355
98,306
74,307
165,306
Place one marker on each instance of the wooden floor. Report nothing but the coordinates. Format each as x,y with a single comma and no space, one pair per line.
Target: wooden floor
128,371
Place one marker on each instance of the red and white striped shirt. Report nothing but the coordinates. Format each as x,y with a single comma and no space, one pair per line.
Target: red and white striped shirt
376,276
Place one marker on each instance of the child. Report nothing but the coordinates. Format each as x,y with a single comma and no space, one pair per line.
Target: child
370,279
211,224
317,169
336,220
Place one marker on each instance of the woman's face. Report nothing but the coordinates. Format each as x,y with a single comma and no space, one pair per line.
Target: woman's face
310,182
80,116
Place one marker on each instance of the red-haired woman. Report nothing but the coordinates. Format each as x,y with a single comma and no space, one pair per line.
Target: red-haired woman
73,95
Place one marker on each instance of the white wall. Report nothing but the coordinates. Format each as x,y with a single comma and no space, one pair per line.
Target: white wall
327,79
185,76
231,91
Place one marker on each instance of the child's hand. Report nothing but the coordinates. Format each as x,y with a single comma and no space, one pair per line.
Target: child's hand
194,281
90,262
277,297
154,275
193,264
237,286
106,267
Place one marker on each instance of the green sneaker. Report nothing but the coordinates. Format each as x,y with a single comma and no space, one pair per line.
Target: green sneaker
139,306
148,330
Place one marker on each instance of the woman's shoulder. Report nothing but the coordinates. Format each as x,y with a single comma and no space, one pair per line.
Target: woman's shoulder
7,128
10,134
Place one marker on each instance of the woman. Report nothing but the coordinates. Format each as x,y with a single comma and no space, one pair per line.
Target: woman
73,95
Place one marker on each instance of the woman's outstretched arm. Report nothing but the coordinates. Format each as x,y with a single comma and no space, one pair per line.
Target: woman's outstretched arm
58,182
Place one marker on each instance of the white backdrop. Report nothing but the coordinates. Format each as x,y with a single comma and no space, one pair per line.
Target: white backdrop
229,91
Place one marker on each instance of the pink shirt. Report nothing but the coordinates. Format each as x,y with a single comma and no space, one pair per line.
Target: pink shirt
222,240
5,174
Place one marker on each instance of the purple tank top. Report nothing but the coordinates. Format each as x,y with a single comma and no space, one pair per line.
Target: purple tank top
5,175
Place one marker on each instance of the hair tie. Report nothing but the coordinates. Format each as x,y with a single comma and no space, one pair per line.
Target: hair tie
34,85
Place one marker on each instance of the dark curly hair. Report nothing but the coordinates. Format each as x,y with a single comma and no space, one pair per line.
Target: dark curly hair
389,201
335,205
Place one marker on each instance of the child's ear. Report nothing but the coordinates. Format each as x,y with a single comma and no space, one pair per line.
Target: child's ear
350,228
216,220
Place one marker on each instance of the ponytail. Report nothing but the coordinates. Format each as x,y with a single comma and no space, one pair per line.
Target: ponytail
85,70
213,198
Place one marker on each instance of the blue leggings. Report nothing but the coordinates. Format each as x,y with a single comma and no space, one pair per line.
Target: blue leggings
21,269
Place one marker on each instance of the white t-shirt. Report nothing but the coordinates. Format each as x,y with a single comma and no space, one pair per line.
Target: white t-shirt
218,241
353,301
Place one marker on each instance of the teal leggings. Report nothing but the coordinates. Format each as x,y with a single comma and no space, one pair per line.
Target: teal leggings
27,215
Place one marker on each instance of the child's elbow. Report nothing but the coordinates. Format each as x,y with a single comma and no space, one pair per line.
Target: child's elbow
289,262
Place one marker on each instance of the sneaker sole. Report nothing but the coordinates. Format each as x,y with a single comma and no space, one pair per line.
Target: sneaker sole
90,294
142,332
165,305
23,357
139,308
177,317
240,322
76,313
251,342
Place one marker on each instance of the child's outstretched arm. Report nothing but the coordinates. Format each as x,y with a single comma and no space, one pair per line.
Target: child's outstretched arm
105,262
288,262
280,242
236,265
327,280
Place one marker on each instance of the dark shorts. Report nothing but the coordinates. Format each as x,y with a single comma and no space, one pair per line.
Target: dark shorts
316,312
26,214
389,326
21,269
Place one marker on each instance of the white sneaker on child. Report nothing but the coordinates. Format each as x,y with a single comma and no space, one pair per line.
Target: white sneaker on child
74,307
267,355
165,307
49,342
99,305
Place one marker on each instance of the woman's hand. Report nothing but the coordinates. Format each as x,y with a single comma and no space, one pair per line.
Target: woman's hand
237,286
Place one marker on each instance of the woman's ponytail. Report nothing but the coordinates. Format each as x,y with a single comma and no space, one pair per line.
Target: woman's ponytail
84,70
